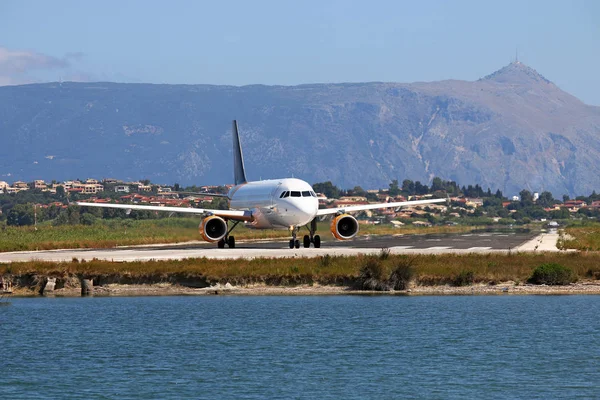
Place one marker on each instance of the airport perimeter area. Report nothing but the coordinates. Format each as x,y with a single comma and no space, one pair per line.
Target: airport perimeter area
403,244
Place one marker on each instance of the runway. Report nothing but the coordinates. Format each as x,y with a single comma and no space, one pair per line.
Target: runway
486,242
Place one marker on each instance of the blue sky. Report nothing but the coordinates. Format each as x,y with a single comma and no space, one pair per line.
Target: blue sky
292,42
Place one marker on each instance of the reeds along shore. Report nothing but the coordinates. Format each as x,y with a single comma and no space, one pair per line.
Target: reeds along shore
341,271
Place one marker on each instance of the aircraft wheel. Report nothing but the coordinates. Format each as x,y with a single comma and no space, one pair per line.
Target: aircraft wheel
291,243
317,241
231,242
297,244
221,244
306,241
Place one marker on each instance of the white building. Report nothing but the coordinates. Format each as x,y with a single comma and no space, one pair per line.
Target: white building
122,189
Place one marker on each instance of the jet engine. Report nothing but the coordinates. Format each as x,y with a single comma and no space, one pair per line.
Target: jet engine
344,227
213,228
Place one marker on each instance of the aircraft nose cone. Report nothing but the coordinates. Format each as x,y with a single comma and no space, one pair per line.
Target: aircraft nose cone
307,210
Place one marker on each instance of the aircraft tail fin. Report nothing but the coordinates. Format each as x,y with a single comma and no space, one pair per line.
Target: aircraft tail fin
239,172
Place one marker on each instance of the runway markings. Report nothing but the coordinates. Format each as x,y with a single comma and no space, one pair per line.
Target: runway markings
479,243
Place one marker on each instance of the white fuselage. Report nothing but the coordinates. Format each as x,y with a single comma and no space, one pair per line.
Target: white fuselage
276,203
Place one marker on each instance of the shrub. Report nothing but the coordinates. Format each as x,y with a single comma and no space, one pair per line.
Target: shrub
384,254
325,260
592,273
402,274
552,274
371,276
88,219
464,278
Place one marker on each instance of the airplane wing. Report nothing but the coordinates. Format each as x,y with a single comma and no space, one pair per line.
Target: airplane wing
202,194
327,211
240,215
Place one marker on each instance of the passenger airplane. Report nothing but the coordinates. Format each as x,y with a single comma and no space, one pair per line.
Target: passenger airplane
287,203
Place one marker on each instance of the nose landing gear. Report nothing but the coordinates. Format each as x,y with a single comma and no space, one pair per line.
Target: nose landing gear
293,241
307,239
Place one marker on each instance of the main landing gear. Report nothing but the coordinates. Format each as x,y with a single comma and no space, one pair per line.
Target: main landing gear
229,240
311,237
307,239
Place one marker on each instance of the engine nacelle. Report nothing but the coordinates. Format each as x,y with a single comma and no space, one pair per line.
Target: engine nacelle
344,227
213,228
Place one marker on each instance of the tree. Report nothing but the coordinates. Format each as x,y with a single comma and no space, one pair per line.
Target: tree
545,199
328,189
420,188
88,219
526,198
219,203
73,215
492,202
53,211
21,215
518,215
437,184
408,186
358,191
561,213
371,197
503,213
394,189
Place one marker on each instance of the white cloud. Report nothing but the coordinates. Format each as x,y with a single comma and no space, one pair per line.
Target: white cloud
20,66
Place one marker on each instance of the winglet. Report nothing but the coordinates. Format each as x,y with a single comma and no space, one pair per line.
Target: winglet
239,173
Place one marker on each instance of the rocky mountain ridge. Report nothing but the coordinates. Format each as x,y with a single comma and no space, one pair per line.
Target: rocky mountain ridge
510,130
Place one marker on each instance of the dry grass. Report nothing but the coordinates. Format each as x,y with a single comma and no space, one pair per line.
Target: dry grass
582,238
329,270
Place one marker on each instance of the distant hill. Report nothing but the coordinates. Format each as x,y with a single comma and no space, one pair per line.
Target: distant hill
511,130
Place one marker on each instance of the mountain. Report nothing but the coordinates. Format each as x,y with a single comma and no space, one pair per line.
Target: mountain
510,130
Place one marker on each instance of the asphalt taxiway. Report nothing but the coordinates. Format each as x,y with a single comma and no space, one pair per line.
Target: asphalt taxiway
483,242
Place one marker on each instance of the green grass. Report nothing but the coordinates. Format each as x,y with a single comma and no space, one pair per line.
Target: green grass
112,233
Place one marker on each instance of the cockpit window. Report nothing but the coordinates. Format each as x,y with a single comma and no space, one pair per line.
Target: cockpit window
313,194
284,194
306,193
295,194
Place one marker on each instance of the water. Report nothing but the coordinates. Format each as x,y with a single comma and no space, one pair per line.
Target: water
336,347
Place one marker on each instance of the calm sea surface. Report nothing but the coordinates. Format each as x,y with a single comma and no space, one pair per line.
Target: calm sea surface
337,347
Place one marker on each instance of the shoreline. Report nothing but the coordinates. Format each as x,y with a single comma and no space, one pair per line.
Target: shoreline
587,287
